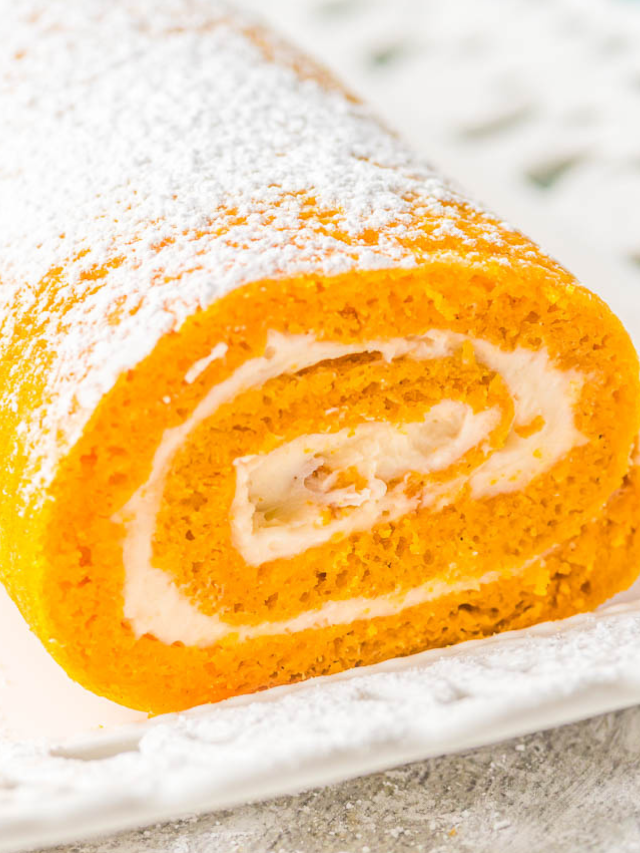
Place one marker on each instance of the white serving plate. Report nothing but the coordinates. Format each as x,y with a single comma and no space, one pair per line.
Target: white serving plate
70,780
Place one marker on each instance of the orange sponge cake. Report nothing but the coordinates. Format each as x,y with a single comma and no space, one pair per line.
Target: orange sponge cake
276,400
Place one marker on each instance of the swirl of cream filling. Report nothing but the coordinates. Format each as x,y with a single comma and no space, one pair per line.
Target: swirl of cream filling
281,498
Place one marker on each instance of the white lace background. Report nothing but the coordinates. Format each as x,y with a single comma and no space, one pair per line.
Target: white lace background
534,106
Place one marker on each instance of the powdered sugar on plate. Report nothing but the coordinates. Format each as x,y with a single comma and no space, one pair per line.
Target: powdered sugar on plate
292,738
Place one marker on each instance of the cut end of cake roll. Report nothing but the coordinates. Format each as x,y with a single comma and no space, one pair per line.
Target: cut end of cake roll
277,400
276,494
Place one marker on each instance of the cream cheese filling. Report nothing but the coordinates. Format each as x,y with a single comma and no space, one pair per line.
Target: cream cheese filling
282,497
153,604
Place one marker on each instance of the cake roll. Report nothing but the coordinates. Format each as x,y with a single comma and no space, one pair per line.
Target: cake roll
277,400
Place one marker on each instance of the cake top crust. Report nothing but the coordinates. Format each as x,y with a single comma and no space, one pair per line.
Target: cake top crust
155,155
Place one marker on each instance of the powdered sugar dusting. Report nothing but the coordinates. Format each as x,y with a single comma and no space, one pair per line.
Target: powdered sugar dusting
133,128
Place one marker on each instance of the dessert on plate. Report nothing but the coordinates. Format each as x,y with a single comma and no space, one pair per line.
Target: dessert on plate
276,399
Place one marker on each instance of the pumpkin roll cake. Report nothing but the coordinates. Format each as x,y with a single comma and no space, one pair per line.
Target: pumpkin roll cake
276,400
